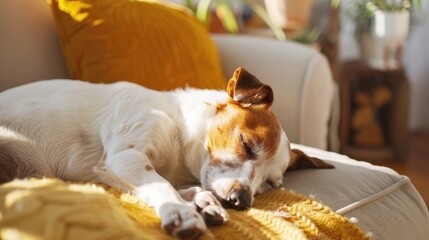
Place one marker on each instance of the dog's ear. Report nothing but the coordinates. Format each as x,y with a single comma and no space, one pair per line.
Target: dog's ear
300,160
246,90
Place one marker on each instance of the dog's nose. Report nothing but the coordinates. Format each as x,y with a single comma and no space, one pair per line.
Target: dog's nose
239,199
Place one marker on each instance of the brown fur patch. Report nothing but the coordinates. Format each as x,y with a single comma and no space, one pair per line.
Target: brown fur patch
231,164
246,90
85,138
220,107
148,168
257,126
300,160
214,162
244,127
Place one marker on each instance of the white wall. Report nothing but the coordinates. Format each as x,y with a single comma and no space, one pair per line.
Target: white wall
416,61
29,49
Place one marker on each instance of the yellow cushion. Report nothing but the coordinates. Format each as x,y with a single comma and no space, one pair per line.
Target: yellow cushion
158,45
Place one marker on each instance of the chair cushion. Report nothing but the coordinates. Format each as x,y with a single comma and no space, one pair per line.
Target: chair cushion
384,202
160,46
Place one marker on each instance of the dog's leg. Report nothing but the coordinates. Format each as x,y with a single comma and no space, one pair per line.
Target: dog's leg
207,204
132,170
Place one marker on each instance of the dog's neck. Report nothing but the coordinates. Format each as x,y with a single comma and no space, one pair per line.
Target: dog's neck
198,108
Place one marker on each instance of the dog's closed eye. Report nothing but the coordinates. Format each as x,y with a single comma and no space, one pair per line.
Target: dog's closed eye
248,148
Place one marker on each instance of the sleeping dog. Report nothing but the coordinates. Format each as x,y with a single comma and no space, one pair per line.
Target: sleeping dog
152,143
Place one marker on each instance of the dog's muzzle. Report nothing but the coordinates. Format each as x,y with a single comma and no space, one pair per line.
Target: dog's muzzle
238,198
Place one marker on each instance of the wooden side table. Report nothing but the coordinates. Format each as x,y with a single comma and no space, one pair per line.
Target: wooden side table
356,76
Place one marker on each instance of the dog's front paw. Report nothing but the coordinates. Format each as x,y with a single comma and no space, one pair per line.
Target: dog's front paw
211,209
182,221
214,215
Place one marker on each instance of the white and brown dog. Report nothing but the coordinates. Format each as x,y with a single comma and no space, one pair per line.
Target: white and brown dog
151,143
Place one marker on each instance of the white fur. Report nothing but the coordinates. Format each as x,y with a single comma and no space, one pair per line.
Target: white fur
115,134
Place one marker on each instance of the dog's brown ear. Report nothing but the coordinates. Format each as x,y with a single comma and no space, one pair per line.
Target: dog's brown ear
246,90
300,160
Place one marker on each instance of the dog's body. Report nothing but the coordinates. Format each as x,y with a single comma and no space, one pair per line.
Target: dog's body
150,143
67,133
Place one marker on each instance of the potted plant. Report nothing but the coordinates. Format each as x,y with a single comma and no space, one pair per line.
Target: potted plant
224,12
382,27
289,14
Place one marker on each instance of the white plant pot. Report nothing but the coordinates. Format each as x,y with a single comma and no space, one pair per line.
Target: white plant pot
381,45
289,14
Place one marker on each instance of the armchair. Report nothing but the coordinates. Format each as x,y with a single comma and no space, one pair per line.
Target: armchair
386,203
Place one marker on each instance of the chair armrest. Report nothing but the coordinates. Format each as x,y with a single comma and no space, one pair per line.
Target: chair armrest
300,77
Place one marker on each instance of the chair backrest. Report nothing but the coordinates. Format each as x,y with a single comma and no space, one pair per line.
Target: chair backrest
29,46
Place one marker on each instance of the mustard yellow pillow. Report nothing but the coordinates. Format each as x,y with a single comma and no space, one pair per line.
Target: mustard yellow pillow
157,45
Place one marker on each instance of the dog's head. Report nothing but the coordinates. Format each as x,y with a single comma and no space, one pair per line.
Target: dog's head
249,151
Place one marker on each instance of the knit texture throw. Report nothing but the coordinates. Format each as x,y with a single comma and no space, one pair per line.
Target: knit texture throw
53,209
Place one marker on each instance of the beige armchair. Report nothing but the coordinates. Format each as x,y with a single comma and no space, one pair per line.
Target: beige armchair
386,203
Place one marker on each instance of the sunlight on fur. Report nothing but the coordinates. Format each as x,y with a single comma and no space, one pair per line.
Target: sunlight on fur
6,133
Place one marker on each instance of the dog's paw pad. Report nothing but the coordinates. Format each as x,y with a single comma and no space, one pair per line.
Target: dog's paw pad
182,221
174,221
191,233
214,215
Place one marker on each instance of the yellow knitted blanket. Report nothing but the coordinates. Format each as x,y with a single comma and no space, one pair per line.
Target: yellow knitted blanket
53,209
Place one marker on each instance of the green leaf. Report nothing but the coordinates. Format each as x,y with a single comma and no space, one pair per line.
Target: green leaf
202,12
190,4
226,15
335,3
260,11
